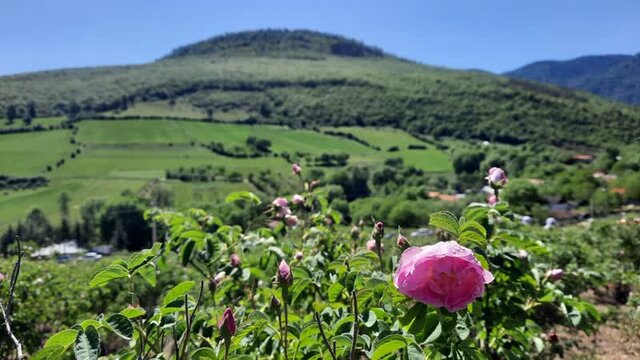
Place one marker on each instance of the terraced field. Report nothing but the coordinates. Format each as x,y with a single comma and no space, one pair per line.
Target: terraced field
122,155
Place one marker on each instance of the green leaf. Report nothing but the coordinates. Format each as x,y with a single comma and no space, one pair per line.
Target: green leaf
186,251
472,225
298,287
177,291
243,195
462,328
133,312
106,275
389,346
53,352
63,338
574,316
204,354
148,273
473,238
435,334
445,221
335,290
87,346
121,325
141,258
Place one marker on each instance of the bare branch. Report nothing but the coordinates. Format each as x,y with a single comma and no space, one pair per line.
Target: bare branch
6,315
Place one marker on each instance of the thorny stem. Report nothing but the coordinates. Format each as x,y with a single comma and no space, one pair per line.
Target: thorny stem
324,337
189,319
7,314
354,299
379,252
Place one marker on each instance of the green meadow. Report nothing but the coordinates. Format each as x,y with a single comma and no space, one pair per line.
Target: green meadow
122,155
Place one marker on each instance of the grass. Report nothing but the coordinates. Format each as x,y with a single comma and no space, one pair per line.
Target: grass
123,155
28,154
431,159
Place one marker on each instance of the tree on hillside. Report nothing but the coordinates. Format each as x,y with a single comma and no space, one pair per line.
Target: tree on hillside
90,221
36,228
124,225
73,110
31,110
65,227
11,113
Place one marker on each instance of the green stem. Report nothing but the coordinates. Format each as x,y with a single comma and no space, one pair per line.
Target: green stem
285,298
379,252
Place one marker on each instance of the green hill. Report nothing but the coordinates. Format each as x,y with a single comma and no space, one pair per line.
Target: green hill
304,78
611,76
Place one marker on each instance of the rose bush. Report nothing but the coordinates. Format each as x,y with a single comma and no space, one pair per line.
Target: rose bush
472,294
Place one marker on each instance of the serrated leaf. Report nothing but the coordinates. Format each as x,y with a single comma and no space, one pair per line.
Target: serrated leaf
445,221
141,258
87,344
462,329
335,290
120,325
49,353
177,291
472,225
472,237
133,312
108,274
63,338
148,273
435,334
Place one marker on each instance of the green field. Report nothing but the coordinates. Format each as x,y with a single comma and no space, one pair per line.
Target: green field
121,155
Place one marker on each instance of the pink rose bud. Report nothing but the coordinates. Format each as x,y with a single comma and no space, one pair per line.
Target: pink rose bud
296,168
299,255
555,274
1,277
219,277
371,246
523,254
291,220
445,274
402,242
285,277
227,324
553,337
297,199
497,177
378,230
492,200
280,202
235,260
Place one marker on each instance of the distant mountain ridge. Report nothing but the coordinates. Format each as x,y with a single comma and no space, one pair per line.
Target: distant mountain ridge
615,77
274,42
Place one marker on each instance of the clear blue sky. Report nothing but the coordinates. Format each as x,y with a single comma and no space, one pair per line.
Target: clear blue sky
494,35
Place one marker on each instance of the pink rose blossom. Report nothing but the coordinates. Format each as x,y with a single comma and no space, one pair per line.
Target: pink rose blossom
291,220
445,274
492,200
227,324
235,260
497,177
280,202
371,246
555,274
297,199
296,168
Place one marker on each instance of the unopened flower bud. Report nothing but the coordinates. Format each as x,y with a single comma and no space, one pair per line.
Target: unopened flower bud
296,168
371,246
297,199
285,277
227,324
553,337
219,278
555,274
291,220
378,231
355,232
235,260
275,303
497,177
402,242
299,255
280,202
